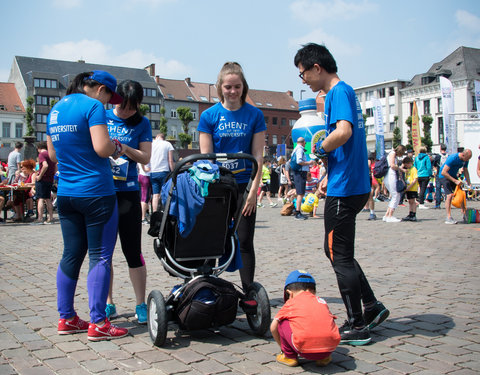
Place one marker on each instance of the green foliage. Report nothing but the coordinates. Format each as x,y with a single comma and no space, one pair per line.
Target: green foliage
427,132
408,121
185,116
397,137
185,139
29,117
144,109
163,121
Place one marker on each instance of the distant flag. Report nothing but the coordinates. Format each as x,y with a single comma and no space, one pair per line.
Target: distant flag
281,150
449,125
379,129
416,140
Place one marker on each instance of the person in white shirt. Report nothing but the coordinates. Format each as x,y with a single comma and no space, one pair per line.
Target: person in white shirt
161,163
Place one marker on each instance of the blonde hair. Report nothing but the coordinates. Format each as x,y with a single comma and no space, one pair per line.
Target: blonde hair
231,68
422,150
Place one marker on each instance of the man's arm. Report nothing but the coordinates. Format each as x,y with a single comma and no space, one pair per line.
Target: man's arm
338,137
43,170
445,174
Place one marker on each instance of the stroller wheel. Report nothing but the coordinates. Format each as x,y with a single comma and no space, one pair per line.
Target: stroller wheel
260,320
157,317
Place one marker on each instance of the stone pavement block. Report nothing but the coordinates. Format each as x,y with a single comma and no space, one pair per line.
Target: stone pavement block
132,364
39,370
259,357
71,346
464,372
153,356
247,366
441,367
359,366
136,347
404,357
171,367
83,355
188,356
48,353
151,371
99,365
415,349
74,371
225,357
61,363
6,369
210,366
399,366
473,365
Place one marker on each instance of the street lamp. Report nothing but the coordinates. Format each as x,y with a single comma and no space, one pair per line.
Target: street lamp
301,92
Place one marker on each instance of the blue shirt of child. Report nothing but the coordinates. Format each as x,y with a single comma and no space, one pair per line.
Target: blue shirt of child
131,136
232,132
347,165
82,172
455,163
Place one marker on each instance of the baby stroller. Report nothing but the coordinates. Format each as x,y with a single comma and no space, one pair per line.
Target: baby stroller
204,300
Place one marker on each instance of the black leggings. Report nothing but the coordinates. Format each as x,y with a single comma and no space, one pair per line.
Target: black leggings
130,227
246,232
423,182
340,215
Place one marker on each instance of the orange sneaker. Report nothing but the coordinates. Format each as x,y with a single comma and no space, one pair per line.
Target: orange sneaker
324,362
75,325
291,362
107,332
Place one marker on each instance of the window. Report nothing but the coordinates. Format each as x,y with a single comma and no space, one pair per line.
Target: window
6,130
369,112
439,105
173,113
266,120
41,136
204,98
194,113
359,96
441,137
155,108
45,100
170,96
18,130
292,122
269,105
2,107
381,93
274,139
274,121
392,126
215,99
391,91
284,138
370,129
426,107
190,97
45,83
41,118
283,121
194,135
258,103
149,92
173,133
17,108
474,104
155,124
391,109
368,95
411,108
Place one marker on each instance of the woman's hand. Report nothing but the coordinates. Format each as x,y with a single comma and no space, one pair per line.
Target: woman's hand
250,203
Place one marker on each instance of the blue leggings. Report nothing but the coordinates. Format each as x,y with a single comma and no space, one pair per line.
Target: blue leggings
88,225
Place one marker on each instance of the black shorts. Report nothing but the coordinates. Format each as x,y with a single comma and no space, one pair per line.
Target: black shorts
448,186
412,194
266,188
43,189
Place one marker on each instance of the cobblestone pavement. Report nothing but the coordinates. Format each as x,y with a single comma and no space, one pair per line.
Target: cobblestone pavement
426,273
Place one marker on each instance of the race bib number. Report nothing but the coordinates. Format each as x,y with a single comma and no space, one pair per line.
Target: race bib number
233,165
119,169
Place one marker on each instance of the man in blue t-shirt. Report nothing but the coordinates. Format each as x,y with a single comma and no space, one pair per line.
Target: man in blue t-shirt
347,186
449,179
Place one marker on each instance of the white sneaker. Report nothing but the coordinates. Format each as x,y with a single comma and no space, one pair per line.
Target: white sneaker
450,221
384,218
392,219
273,205
422,207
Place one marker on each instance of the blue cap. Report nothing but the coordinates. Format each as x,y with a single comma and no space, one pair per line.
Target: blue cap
108,80
298,276
307,104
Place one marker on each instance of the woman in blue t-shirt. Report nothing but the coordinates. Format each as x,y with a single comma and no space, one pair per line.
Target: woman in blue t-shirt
233,126
128,126
77,137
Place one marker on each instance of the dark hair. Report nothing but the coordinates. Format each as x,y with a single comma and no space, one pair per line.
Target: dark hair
80,80
407,160
231,68
311,54
295,287
372,155
443,147
42,145
132,94
18,144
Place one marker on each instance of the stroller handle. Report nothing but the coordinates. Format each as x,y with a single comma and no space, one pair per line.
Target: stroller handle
214,156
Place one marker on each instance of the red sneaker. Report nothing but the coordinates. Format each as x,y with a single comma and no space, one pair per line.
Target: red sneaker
76,325
107,332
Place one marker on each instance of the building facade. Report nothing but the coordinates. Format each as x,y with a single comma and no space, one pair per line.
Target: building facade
12,119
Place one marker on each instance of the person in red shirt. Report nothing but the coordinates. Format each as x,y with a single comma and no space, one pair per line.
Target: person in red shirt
304,326
44,183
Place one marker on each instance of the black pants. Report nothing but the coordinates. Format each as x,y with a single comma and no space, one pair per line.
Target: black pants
423,182
340,215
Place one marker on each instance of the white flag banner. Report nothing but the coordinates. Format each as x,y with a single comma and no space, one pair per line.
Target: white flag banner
477,95
449,125
379,129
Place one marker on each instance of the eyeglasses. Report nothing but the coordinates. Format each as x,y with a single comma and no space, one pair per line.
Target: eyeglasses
302,73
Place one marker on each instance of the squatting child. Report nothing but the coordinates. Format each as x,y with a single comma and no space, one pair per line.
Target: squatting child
412,188
304,326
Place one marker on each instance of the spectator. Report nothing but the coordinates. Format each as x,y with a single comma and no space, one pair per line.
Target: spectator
265,185
450,180
145,189
424,167
394,161
412,188
283,180
21,197
44,183
161,163
14,160
439,160
300,177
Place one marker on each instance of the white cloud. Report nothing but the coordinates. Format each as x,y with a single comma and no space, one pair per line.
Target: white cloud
315,12
335,45
468,21
67,4
95,52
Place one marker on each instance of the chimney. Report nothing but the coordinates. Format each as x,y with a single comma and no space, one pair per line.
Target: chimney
157,79
150,69
188,81
290,93
81,61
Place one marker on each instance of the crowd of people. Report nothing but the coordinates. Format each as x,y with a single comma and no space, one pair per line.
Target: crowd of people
110,170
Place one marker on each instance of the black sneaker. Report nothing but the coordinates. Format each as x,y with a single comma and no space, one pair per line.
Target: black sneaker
354,336
376,315
299,216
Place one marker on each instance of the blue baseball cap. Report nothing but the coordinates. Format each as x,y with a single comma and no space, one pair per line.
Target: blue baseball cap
298,276
105,78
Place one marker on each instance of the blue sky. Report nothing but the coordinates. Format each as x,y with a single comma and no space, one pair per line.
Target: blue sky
372,40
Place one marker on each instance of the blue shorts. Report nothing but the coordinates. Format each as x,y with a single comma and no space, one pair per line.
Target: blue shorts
300,181
158,179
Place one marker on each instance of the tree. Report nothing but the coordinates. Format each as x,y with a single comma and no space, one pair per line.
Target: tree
186,117
427,132
144,109
29,117
397,133
408,121
163,122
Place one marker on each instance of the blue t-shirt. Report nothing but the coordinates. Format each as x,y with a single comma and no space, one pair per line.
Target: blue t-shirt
82,172
131,136
455,163
347,165
232,131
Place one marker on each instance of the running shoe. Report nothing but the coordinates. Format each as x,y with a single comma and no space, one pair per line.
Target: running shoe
392,219
299,216
354,336
141,313
372,217
450,221
106,332
260,205
376,315
111,311
291,362
273,204
75,325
